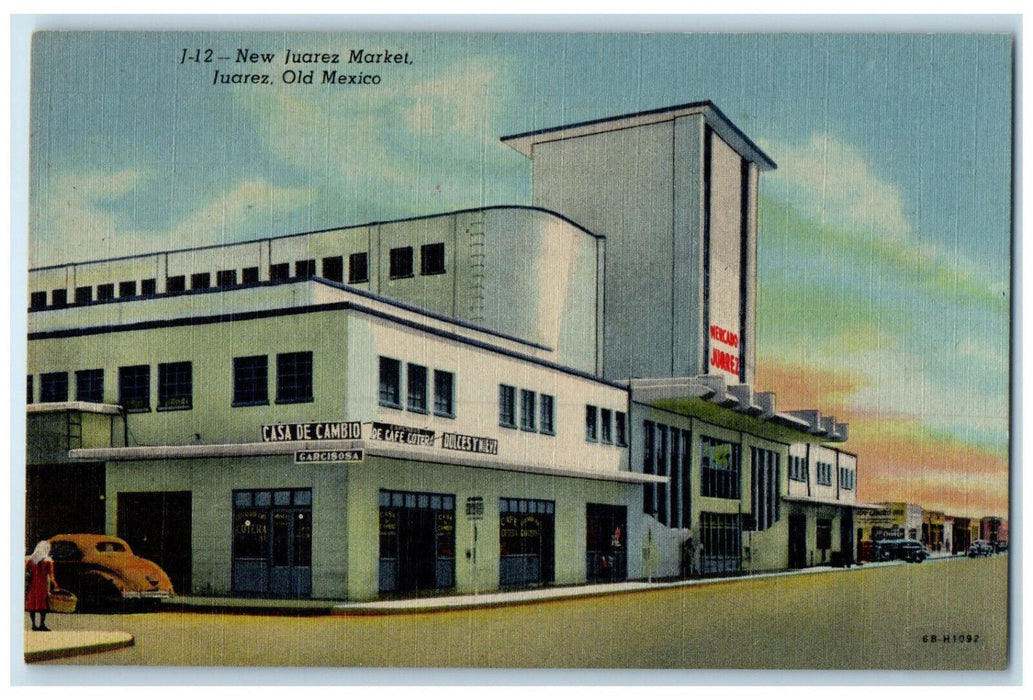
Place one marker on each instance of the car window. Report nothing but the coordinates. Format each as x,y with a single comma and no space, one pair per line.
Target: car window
110,547
65,551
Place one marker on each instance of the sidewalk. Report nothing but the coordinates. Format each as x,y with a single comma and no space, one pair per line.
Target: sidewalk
45,646
41,646
259,606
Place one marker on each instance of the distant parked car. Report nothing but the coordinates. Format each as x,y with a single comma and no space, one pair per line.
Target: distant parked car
904,550
980,548
103,571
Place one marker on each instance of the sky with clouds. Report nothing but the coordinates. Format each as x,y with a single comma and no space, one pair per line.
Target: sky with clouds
885,235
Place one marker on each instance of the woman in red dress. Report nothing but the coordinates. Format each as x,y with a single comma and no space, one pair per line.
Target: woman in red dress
40,571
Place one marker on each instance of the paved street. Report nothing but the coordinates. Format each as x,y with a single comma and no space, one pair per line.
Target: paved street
868,617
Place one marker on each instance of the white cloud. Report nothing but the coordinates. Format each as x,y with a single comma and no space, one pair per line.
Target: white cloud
75,208
406,146
971,406
79,210
831,183
826,177
74,201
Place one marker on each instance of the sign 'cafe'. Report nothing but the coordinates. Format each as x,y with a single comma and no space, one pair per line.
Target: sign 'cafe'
384,432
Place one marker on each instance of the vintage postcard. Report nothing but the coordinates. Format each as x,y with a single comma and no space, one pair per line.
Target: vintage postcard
519,350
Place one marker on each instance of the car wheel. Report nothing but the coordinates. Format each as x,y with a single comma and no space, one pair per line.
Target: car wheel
100,595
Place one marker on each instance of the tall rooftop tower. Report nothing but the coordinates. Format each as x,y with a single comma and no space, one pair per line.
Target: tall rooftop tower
674,193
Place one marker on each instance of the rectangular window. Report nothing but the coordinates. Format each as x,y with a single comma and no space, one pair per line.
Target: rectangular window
200,280
149,287
444,394
824,475
528,410
507,406
591,423
175,386
89,385
53,387
83,295
719,468
416,396
764,482
127,289
280,272
305,269
548,414
173,285
105,292
721,537
847,480
675,474
797,468
294,377
620,428
59,297
134,388
358,268
400,262
661,470
250,380
686,478
38,300
249,275
432,259
333,268
606,425
29,394
390,383
226,278
648,466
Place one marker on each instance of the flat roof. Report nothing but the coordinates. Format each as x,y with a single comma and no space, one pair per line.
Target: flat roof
332,229
714,117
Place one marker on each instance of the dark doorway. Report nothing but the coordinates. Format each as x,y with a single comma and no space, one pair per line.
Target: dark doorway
416,557
846,536
797,541
606,551
63,499
417,541
157,525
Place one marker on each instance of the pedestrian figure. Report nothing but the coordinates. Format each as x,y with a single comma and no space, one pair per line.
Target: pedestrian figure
39,572
687,550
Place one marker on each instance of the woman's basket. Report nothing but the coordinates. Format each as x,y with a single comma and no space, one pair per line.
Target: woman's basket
61,601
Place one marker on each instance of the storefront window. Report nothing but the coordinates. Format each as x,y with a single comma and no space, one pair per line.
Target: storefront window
719,468
250,534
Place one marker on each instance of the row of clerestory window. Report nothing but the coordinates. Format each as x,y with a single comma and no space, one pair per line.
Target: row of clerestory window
400,266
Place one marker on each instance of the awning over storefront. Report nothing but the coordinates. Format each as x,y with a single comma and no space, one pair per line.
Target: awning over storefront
738,398
412,453
810,500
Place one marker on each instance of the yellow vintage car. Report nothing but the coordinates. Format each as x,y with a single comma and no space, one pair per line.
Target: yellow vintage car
103,571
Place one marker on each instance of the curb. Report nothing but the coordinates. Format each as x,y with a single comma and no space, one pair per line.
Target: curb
268,607
67,645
